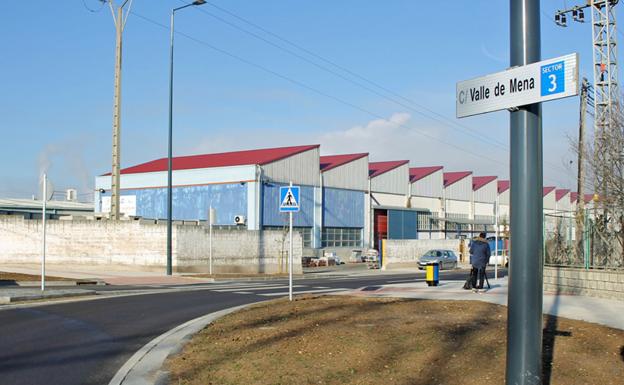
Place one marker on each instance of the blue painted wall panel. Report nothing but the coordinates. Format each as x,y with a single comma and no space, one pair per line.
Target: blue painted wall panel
192,202
402,224
343,208
270,210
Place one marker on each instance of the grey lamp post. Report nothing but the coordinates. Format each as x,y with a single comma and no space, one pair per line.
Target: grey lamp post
169,153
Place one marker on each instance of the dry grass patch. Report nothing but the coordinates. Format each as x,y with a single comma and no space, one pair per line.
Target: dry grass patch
18,277
345,340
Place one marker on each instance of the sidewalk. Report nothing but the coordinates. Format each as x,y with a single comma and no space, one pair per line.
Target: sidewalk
597,310
115,275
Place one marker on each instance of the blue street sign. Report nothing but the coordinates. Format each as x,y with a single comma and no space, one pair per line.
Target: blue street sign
289,199
553,78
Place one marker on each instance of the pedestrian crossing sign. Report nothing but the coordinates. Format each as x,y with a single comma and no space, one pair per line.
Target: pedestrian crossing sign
289,199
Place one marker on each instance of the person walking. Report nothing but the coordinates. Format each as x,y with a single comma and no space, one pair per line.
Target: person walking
479,258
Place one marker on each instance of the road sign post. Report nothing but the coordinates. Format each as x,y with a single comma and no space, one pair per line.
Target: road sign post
289,202
521,89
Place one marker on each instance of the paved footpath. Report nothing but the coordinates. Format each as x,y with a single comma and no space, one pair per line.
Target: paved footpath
597,310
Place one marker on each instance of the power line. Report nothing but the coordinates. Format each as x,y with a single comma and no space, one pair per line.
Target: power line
413,105
308,87
466,130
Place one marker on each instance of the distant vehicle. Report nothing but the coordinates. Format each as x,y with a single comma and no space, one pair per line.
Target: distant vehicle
446,258
501,259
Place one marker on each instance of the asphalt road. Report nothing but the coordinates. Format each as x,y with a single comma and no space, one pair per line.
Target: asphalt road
86,342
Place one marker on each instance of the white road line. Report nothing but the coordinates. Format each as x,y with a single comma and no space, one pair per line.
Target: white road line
256,288
303,292
243,292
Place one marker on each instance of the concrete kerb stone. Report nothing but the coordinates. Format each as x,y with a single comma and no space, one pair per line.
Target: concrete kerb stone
145,366
12,296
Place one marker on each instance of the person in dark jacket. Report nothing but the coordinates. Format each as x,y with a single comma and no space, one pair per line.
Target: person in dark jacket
479,258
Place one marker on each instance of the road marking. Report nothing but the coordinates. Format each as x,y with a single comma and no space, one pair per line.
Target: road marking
303,292
256,288
243,292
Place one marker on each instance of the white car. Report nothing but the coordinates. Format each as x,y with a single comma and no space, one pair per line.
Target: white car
501,258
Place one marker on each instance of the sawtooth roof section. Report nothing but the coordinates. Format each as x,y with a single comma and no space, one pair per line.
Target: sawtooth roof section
332,161
452,177
378,168
417,173
503,185
573,197
224,159
548,190
589,198
480,181
560,193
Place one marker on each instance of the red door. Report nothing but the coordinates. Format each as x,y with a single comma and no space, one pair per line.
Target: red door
381,226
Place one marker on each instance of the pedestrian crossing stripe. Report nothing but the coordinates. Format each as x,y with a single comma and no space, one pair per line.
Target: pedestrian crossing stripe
289,198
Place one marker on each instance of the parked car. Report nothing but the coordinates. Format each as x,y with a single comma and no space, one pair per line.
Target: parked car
502,258
446,258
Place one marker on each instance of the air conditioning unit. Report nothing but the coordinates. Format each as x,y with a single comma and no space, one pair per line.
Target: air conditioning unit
239,219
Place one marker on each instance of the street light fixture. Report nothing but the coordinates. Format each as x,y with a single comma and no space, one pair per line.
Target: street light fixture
170,152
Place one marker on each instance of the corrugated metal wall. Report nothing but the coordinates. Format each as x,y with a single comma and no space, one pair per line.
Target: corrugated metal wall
503,198
487,193
549,201
199,176
429,186
270,210
460,190
402,224
301,169
352,176
393,182
343,208
192,202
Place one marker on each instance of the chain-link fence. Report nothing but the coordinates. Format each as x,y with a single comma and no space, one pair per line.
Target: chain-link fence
585,241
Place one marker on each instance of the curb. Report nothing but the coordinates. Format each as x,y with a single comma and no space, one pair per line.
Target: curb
9,299
145,366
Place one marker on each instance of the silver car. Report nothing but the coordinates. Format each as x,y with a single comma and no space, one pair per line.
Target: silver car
445,258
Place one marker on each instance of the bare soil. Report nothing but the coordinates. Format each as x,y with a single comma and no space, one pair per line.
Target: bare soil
346,340
17,277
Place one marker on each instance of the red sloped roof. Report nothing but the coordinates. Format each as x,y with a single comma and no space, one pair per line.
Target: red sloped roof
573,197
560,193
378,168
480,181
224,159
331,161
452,177
503,185
548,190
417,173
589,198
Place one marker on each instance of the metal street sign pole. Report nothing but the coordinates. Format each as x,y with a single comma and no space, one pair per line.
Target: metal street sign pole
290,254
43,224
524,312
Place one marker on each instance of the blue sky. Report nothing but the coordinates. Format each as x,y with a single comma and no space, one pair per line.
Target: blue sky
57,77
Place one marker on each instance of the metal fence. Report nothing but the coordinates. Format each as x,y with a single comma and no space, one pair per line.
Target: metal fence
595,244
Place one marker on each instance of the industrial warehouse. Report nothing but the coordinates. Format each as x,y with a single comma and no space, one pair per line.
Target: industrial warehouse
347,202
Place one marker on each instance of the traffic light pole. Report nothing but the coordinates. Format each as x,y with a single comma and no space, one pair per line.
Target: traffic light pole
524,314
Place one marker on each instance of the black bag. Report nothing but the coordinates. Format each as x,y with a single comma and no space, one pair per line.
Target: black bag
468,283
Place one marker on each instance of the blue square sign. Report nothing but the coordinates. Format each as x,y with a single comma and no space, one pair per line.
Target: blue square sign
289,199
553,78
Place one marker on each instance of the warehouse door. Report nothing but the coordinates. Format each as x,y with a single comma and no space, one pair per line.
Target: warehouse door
381,226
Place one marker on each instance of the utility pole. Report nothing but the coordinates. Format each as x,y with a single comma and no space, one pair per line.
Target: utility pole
119,19
580,202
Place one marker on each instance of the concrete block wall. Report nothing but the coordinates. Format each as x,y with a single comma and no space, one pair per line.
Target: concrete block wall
406,252
593,283
82,242
142,245
247,252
